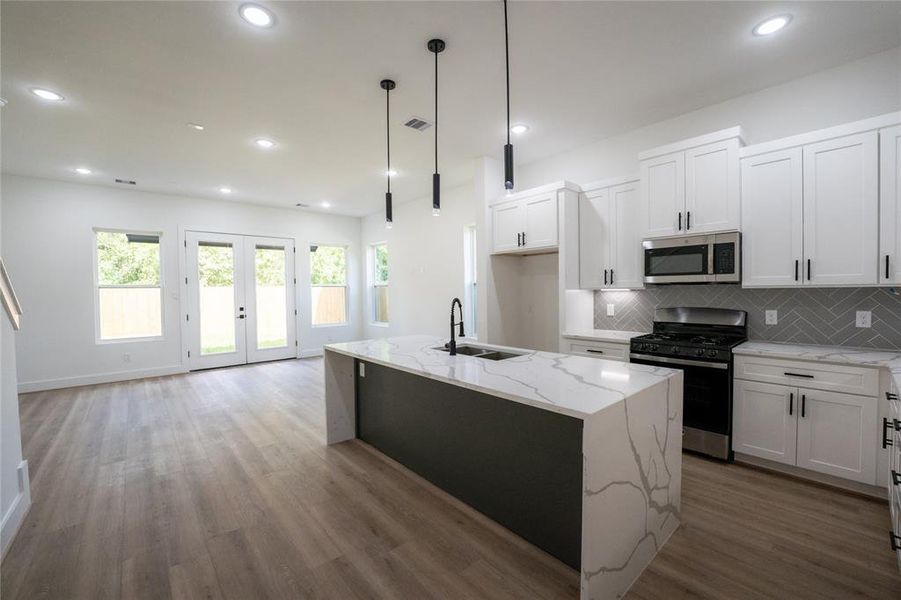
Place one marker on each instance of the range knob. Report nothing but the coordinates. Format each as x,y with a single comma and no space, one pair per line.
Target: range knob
676,350
652,347
711,353
699,352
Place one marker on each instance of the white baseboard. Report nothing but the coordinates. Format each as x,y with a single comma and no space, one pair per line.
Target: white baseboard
65,382
309,353
15,515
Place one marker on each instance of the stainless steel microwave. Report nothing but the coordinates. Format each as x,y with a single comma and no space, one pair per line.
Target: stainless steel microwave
713,258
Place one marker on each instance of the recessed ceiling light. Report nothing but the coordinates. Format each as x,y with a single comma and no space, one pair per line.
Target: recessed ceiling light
83,171
196,126
264,143
772,25
325,204
256,15
225,190
391,173
46,94
2,102
519,128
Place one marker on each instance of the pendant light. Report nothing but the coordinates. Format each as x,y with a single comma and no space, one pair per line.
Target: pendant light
388,85
435,46
508,149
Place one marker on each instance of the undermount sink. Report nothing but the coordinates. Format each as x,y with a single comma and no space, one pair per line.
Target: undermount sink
479,352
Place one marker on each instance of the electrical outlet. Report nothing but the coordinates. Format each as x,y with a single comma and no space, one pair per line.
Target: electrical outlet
772,317
864,318
611,309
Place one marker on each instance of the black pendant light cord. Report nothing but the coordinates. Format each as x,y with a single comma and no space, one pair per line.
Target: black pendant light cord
436,112
388,133
507,55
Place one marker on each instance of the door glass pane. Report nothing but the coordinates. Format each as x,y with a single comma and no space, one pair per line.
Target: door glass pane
216,276
272,297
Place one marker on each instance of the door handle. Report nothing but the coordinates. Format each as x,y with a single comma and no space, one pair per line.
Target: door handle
240,316
808,269
896,477
523,238
790,374
803,405
886,266
886,442
687,220
241,308
891,396
680,220
518,240
791,403
594,351
796,269
605,276
611,276
893,540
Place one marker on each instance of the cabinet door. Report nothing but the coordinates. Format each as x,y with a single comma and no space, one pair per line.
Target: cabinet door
628,256
764,420
508,226
540,221
837,435
771,206
890,205
595,234
662,195
712,199
841,203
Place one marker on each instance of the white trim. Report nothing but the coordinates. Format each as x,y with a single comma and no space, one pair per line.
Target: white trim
10,301
537,191
821,135
701,140
611,182
310,353
18,509
65,382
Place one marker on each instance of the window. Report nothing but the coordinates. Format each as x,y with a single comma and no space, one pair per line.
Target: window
379,259
470,281
328,281
129,294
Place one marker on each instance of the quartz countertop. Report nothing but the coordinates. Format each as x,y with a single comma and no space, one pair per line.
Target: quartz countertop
602,335
864,357
572,385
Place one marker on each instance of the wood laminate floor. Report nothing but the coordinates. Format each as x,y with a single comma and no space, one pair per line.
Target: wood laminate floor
219,485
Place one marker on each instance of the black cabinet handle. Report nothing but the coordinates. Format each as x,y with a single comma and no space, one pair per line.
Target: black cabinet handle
893,540
896,477
611,276
687,220
791,403
523,238
790,374
886,442
891,396
886,266
240,316
803,404
796,269
808,269
518,241
680,220
605,276
594,351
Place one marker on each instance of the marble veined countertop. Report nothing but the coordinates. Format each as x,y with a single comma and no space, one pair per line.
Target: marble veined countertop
572,385
864,357
602,335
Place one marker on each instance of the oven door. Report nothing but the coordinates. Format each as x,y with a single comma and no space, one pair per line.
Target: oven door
679,260
706,402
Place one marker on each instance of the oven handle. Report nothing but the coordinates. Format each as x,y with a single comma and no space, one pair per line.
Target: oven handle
680,361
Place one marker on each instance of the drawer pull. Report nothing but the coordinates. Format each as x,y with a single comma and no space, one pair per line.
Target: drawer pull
594,351
896,477
803,405
886,442
893,540
891,396
789,374
791,403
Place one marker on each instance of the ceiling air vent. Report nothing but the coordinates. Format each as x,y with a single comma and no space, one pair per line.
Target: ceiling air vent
126,181
417,124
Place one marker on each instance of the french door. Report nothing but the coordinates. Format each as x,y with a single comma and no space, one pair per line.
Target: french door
240,299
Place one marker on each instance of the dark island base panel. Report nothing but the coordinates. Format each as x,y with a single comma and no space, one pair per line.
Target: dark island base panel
519,465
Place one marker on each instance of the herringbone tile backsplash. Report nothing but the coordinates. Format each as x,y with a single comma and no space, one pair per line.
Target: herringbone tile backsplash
806,316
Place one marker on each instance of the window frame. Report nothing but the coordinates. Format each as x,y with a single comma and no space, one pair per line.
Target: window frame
346,285
374,283
98,340
471,280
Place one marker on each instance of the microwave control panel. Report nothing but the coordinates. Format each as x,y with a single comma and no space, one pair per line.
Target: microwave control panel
724,258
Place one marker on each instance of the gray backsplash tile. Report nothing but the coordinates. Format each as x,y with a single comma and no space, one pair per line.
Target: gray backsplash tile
806,316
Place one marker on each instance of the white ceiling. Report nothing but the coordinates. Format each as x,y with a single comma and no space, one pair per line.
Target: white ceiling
134,73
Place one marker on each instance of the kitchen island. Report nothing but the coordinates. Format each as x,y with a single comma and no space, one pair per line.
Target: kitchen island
579,456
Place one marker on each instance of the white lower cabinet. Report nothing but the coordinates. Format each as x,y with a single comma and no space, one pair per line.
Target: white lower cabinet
607,350
828,432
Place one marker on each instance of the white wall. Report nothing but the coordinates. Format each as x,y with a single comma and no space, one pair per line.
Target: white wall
856,90
425,262
48,242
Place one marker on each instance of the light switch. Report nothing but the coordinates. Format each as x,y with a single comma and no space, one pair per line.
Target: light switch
772,317
610,310
864,318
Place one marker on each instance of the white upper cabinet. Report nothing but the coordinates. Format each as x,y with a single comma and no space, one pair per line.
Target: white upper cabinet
609,246
528,222
662,195
540,216
841,204
712,195
772,200
692,186
812,210
508,226
890,205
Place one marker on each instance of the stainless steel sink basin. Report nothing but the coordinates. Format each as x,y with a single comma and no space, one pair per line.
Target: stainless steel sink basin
480,352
